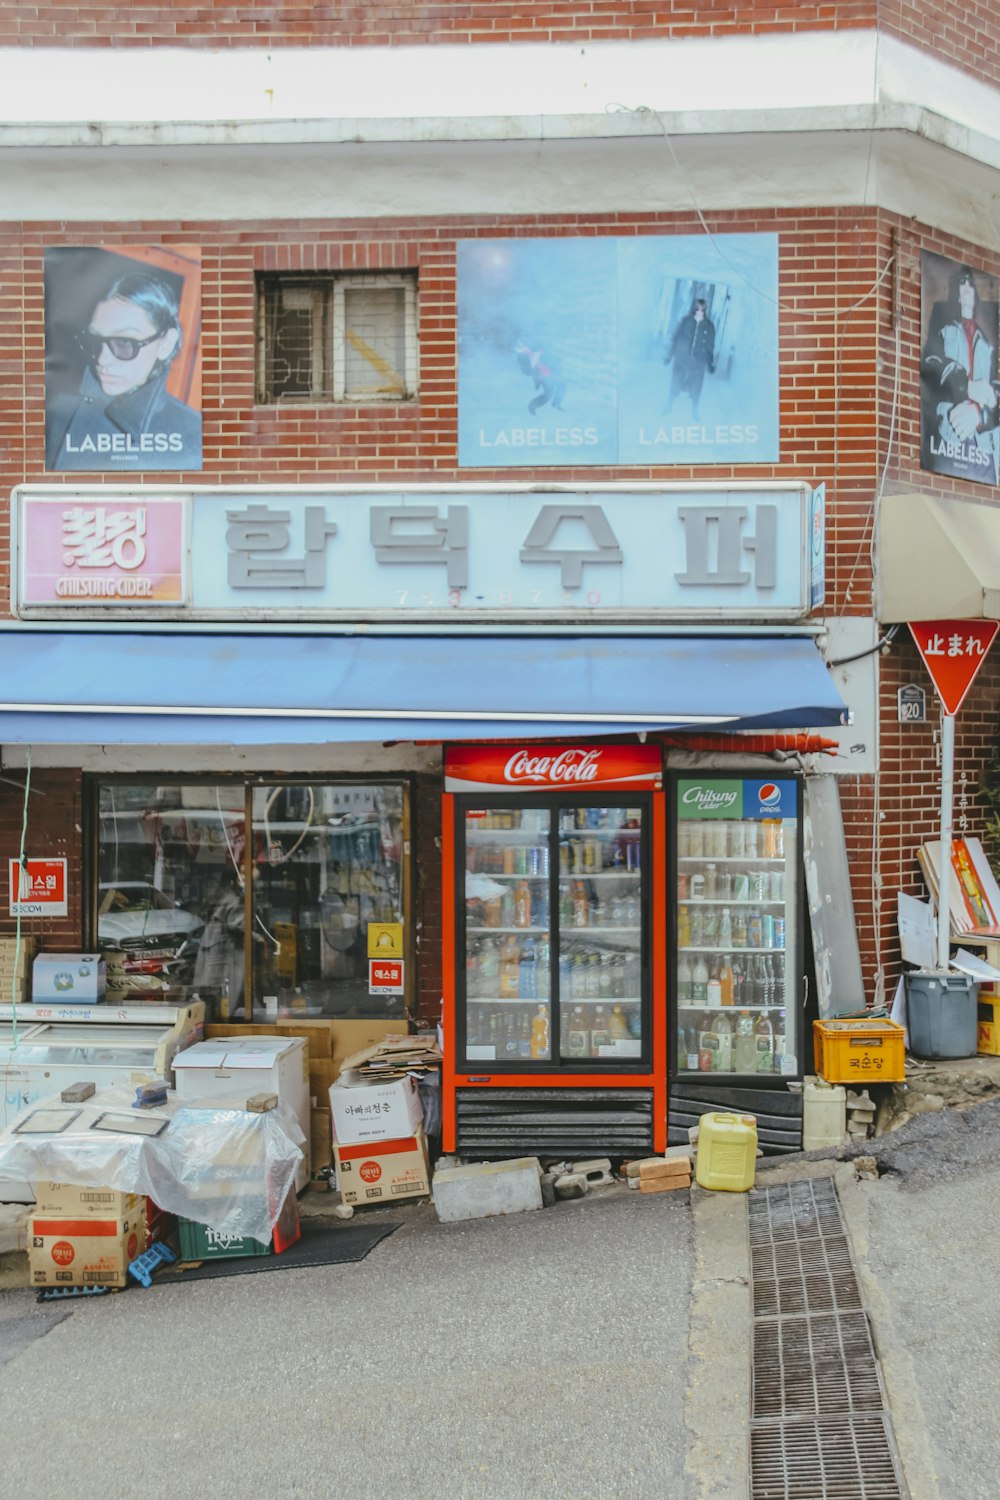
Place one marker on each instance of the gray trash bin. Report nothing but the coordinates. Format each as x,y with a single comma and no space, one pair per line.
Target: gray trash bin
941,1013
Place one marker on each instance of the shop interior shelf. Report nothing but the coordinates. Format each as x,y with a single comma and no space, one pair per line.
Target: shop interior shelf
702,1005
731,859
570,1000
598,874
728,901
731,948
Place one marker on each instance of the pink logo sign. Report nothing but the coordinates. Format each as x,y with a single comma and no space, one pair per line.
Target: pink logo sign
125,550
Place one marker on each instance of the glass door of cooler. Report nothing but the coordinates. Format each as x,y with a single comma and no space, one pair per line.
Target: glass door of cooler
737,928
552,935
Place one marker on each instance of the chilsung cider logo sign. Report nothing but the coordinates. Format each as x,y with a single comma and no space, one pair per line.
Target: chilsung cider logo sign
737,799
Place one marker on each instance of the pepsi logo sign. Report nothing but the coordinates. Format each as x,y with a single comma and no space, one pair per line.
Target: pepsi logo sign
769,795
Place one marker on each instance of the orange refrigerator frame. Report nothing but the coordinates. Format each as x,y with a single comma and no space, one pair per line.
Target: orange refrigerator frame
655,1079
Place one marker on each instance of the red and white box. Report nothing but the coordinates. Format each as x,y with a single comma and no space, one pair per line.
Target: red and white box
383,1171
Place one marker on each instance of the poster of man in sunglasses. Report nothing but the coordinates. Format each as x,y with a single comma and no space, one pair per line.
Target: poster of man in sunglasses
123,359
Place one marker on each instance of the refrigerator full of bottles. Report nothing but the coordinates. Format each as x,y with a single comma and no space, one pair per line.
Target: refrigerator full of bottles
552,969
736,981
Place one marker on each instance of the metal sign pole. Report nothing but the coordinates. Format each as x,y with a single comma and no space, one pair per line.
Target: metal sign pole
944,868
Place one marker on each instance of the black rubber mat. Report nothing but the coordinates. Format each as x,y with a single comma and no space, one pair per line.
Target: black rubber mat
320,1245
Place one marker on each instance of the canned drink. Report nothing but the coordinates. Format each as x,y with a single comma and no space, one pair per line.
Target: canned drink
596,854
741,887
510,860
754,930
682,887
779,932
696,838
633,854
588,847
595,816
759,885
520,860
538,860
736,842
766,930
750,839
777,884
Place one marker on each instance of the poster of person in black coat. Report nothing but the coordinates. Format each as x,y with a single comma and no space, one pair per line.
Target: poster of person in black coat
122,359
959,390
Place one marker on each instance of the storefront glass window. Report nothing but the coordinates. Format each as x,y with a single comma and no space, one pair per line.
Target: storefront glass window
184,907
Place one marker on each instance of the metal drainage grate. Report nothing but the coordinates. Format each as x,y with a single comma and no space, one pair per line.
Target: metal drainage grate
798,1276
850,1458
794,1211
815,1367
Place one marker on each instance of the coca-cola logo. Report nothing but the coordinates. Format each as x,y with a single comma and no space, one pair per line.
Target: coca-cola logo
568,766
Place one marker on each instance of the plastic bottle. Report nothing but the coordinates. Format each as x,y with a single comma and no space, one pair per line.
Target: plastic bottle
510,969
633,976
579,1034
713,990
617,1024
707,1043
683,926
764,1035
522,904
780,1041
699,981
507,909
579,981
684,980
540,1032
493,912
691,1043
528,971
581,908
543,979
744,1048
722,1061
593,976
726,928
599,1032
618,976
726,979
739,923
711,882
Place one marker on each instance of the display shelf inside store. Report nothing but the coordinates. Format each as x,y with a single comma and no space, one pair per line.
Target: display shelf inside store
728,901
505,1000
734,1008
732,859
572,875
727,948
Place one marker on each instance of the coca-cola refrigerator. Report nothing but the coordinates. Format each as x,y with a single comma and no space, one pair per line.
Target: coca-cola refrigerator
554,961
736,980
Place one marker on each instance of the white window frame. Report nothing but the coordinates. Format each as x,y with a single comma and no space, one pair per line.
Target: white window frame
379,279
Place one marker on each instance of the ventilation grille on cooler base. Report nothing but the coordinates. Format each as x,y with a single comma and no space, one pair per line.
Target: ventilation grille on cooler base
494,1123
778,1113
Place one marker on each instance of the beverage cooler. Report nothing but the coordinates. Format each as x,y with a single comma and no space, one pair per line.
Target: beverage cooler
737,960
554,962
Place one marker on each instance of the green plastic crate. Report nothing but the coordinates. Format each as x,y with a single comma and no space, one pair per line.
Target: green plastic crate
198,1242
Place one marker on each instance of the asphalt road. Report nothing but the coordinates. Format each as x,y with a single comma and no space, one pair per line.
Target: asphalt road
540,1355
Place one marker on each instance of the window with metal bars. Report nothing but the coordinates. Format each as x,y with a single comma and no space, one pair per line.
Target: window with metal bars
350,338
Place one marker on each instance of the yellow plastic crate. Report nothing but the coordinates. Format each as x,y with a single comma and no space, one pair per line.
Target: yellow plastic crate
859,1051
988,1032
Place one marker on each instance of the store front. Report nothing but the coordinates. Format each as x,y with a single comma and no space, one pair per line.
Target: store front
257,892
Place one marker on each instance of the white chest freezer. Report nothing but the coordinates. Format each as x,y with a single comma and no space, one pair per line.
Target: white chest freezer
107,1045
233,1068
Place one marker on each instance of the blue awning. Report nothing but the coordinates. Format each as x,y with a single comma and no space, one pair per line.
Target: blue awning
94,687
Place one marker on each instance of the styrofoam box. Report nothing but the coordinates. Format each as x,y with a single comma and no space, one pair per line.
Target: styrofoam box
68,979
234,1067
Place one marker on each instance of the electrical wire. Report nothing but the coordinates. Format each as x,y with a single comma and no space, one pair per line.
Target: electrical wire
21,865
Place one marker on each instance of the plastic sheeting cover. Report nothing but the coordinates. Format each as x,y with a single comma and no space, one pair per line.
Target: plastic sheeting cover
223,1167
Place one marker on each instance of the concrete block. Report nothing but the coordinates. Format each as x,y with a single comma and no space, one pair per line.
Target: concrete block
597,1172
572,1185
487,1188
549,1180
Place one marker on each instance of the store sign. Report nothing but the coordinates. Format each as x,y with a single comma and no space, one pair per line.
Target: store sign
548,768
953,652
653,552
737,799
385,939
817,547
385,976
37,888
126,551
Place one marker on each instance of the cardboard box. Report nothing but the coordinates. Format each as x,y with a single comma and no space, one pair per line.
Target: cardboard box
384,1170
85,1251
322,1073
365,1111
68,979
320,1138
230,1069
350,1036
64,1200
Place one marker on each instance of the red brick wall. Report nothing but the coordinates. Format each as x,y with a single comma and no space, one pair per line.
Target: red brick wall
55,817
399,22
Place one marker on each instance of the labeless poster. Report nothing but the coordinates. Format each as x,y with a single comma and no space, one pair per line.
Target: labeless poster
959,407
122,359
649,350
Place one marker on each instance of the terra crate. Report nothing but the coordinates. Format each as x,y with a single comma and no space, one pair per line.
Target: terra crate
849,1050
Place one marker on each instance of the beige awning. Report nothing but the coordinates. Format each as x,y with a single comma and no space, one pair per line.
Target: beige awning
939,559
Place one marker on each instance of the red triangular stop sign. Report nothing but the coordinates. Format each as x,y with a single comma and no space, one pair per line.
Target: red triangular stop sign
953,651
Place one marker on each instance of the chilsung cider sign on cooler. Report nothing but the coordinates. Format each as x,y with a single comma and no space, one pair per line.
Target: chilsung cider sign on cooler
710,798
